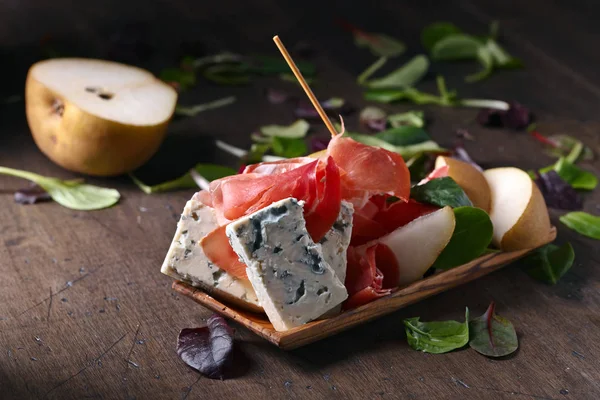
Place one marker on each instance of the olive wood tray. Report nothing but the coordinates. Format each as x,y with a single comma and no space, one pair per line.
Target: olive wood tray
402,297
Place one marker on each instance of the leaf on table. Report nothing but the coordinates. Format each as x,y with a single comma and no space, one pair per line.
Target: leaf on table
493,335
373,118
487,65
289,147
516,117
209,349
437,31
182,78
406,76
297,130
549,263
558,193
441,192
445,98
31,195
437,337
208,171
406,152
583,223
472,235
275,65
191,111
456,46
218,58
71,194
227,74
573,175
571,148
405,135
411,118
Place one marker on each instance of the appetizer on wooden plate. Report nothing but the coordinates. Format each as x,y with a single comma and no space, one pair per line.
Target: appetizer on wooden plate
302,248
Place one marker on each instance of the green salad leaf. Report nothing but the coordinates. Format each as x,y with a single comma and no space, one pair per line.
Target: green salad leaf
445,98
582,222
571,148
404,135
471,237
411,118
437,337
288,147
549,263
493,335
406,76
406,152
441,192
192,111
70,194
208,171
456,47
573,175
371,69
437,31
297,130
185,78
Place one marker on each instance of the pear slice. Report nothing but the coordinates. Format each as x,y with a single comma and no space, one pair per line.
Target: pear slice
418,244
470,179
97,117
518,212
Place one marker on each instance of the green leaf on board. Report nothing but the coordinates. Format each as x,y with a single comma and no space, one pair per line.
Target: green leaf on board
191,111
437,337
70,194
404,135
185,78
289,148
549,263
583,223
441,192
297,130
208,171
371,69
472,235
493,335
437,31
456,47
410,118
572,174
406,76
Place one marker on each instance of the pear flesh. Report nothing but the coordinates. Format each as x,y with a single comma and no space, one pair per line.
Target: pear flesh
97,117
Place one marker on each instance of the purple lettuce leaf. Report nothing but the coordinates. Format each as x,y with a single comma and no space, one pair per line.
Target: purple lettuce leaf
31,195
460,153
558,193
208,349
517,117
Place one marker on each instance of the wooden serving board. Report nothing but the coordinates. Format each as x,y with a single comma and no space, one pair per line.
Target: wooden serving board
317,330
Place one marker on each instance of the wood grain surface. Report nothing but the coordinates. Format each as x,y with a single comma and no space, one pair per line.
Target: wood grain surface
84,310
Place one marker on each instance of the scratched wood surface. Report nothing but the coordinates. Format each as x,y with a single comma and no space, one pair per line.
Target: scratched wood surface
84,311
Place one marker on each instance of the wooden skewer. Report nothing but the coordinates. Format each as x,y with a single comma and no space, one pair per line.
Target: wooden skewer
307,89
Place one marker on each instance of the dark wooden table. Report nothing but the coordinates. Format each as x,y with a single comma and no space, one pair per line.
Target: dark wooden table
84,310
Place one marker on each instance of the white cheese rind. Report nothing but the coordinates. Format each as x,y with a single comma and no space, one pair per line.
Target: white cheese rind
186,261
293,282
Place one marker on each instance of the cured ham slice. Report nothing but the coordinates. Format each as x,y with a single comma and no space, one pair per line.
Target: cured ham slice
364,281
368,171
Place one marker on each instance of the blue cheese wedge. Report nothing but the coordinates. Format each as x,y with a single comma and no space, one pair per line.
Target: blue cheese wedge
185,260
336,241
290,276
334,245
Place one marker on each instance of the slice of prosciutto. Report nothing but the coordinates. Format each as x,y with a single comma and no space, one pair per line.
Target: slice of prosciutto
368,170
316,183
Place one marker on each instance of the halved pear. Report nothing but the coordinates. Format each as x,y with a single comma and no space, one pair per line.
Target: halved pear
470,179
518,212
97,117
419,243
